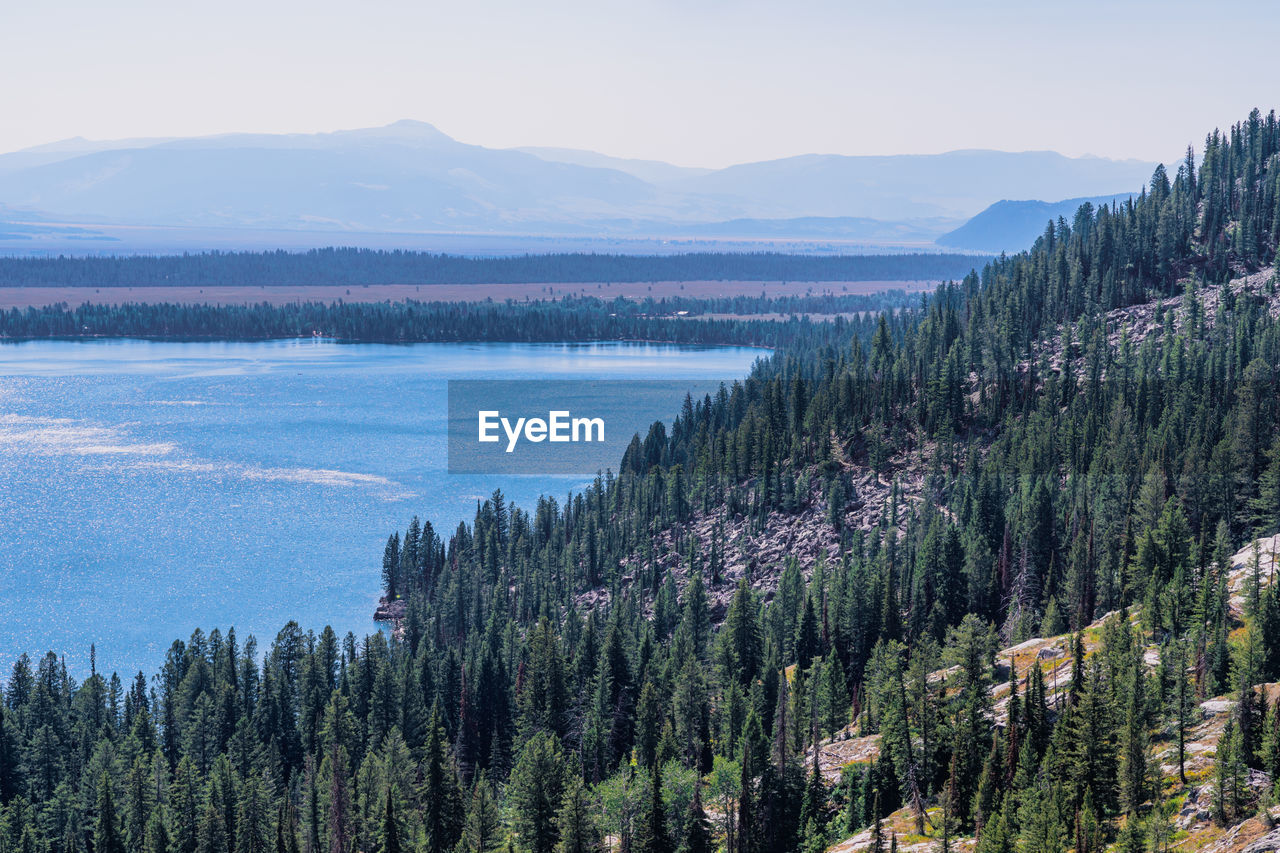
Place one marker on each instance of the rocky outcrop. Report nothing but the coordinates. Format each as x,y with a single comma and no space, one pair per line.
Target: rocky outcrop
390,610
1266,844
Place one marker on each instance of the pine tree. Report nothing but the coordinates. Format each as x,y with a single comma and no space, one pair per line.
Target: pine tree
1131,838
391,567
652,835
252,819
183,811
971,646
441,797
806,639
812,838
1228,773
338,820
537,792
139,801
106,833
212,832
996,836
783,725
1271,743
813,807
575,823
390,840
947,821
697,828
649,720
1133,742
314,821
691,712
877,831
1265,507
834,695
1181,699
482,828
157,836
742,633
1041,821
284,828
747,831
1013,730
1090,735
1090,836
8,759
694,616
988,790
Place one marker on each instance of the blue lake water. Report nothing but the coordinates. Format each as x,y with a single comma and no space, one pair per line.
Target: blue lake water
147,488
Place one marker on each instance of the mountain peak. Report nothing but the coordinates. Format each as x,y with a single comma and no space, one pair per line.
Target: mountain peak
413,123
405,128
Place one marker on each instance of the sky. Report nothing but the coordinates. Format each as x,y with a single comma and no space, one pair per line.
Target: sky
693,82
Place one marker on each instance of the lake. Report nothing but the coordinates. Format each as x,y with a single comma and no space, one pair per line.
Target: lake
147,488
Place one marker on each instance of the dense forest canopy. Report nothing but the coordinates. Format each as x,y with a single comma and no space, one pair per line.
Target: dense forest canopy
352,267
1088,427
574,318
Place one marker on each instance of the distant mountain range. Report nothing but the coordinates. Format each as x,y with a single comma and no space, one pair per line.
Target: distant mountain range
1011,225
409,178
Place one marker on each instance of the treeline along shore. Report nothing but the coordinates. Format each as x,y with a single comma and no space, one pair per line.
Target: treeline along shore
356,267
575,319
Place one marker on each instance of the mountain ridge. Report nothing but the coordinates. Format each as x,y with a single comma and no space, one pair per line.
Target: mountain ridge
411,176
1011,225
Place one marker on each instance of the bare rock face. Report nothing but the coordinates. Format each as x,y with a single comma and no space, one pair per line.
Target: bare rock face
1258,561
1195,810
1213,707
390,611
1266,844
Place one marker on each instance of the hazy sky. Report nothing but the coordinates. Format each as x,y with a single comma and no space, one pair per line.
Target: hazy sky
695,82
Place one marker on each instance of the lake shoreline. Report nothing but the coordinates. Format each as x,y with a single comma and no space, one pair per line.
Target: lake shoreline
247,483
6,339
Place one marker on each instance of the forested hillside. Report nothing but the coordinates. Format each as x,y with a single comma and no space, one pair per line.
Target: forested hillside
354,267
1072,444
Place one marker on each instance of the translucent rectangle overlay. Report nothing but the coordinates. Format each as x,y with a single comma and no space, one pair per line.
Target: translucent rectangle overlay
559,427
